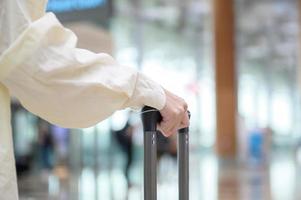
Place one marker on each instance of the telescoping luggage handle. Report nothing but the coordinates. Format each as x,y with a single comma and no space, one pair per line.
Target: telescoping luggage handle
150,118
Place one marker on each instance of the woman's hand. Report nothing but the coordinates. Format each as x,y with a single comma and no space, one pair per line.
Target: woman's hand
174,115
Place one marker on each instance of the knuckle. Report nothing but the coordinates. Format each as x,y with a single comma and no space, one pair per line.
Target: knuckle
180,111
175,111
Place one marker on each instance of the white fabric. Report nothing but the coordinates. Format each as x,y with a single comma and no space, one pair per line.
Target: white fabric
70,87
8,181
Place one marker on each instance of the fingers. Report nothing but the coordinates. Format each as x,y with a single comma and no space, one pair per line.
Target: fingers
185,122
171,124
174,114
176,122
169,128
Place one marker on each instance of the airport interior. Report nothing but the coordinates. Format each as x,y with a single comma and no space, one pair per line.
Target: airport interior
235,62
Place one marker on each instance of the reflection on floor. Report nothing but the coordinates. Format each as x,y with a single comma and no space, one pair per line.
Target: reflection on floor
209,180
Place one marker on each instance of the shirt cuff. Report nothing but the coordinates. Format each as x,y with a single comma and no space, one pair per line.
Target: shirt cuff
147,92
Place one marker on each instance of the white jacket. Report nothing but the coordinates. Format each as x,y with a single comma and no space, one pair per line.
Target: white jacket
70,87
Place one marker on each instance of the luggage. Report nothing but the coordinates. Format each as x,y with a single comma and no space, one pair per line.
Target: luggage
150,118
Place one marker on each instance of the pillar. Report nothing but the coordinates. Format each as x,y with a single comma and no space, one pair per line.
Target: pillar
225,79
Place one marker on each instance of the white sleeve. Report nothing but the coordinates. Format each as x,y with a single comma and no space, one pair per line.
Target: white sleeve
68,86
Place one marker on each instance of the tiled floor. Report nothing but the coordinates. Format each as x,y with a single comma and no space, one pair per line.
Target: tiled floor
209,180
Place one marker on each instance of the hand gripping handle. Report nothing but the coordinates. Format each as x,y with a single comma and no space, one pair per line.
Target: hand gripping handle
150,118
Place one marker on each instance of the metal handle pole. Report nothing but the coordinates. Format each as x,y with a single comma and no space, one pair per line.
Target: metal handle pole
150,120
183,163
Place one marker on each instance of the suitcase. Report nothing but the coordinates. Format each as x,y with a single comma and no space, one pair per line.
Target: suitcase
150,118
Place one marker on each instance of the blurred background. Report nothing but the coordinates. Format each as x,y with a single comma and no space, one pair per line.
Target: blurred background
236,63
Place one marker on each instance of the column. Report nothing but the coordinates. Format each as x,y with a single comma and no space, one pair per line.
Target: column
226,93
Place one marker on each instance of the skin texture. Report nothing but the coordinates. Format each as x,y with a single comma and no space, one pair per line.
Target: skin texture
174,114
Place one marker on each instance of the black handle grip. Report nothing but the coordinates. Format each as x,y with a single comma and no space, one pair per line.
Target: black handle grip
150,118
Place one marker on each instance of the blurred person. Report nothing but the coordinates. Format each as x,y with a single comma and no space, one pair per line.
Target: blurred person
242,136
67,86
61,138
166,157
61,144
124,139
46,144
267,143
255,146
166,146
